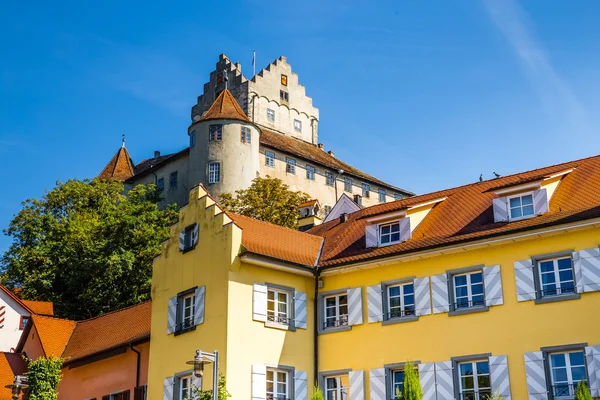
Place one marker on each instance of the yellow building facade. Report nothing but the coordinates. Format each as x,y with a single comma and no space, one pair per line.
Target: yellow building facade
493,286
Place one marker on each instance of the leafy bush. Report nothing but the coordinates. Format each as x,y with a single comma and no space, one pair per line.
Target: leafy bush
582,392
44,376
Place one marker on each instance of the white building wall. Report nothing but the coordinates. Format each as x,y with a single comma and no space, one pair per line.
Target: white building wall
10,333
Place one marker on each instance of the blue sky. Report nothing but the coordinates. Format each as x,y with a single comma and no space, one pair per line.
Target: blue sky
425,95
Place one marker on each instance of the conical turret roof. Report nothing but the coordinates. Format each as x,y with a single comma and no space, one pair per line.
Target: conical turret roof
119,168
225,106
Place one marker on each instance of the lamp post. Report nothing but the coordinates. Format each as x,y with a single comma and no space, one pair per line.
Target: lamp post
200,360
17,387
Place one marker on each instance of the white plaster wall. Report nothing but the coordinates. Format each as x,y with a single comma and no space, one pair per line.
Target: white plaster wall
10,332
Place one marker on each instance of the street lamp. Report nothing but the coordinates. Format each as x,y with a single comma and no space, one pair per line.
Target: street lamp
200,360
16,387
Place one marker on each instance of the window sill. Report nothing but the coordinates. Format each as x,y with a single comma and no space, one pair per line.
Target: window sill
182,331
400,320
335,329
469,310
282,327
188,249
561,297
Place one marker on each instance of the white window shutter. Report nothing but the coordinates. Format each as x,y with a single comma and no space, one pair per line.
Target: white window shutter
405,231
195,235
444,380
422,296
300,385
427,379
500,206
524,280
499,376
492,280
168,388
540,201
536,376
377,383
199,306
300,310
355,314
374,303
357,385
371,238
260,303
259,382
592,355
182,240
439,291
172,315
587,270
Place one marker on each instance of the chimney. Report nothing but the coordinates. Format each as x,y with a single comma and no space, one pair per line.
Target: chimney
343,218
331,153
320,146
156,153
358,199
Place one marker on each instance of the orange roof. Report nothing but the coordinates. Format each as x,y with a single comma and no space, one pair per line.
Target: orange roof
466,214
278,242
225,106
11,364
40,307
109,331
308,203
54,333
119,168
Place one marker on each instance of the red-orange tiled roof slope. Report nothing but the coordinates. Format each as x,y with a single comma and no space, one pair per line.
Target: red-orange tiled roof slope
54,333
120,167
225,106
466,214
11,364
278,242
40,307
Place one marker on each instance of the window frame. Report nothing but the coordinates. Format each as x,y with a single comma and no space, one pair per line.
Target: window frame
284,96
269,155
402,294
246,135
288,384
469,285
180,388
347,184
389,376
536,260
284,80
329,179
288,305
379,234
290,166
160,184
24,318
179,314
520,196
297,125
382,195
558,282
569,348
215,132
188,238
338,326
398,196
366,189
475,376
173,177
214,173
452,291
270,115
338,375
313,171
192,138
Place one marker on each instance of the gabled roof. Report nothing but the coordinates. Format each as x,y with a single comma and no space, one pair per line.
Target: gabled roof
146,166
225,106
344,205
54,333
119,168
11,364
31,306
466,214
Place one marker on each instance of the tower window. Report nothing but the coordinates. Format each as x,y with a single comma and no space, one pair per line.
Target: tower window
290,166
193,138
284,96
246,135
215,132
310,172
348,185
214,172
269,159
297,125
284,80
173,181
270,115
366,190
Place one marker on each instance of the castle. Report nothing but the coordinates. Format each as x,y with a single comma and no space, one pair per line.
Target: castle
242,129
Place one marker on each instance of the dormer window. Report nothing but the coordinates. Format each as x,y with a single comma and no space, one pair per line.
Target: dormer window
387,230
389,233
521,206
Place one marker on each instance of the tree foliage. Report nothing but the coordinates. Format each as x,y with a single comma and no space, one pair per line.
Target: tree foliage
43,377
267,199
411,384
582,392
317,393
223,394
86,246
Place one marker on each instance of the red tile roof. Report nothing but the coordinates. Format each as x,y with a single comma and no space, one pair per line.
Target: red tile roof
146,166
11,364
54,333
225,106
308,203
40,307
120,167
466,214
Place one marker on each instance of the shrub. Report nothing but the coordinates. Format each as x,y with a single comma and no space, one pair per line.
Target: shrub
582,392
43,377
412,385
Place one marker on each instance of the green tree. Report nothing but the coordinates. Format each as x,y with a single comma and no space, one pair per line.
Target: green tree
317,393
86,246
582,392
223,394
411,384
267,199
43,377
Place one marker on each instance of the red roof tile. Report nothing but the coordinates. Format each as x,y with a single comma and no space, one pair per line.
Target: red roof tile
119,168
54,333
40,307
225,106
11,364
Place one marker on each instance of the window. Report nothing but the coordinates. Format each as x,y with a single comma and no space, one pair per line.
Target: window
193,138
214,172
348,185
567,370
397,196
326,210
336,387
160,184
246,135
278,306
187,311
556,276
401,300
290,166
366,189
215,132
397,383
297,125
329,178
474,380
269,159
189,239
310,172
270,115
185,387
284,96
124,395
277,384
389,233
173,181
336,311
468,290
382,196
24,320
520,206
140,392
284,80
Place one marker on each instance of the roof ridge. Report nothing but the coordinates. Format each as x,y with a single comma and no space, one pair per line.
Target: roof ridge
114,311
274,225
56,318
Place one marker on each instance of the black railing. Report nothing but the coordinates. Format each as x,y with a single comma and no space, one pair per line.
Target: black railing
564,389
468,304
482,394
273,397
186,324
406,312
278,320
558,291
333,323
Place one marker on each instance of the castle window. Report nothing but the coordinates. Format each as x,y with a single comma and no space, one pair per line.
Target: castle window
310,172
397,196
290,166
214,172
160,184
269,159
284,80
270,115
366,190
284,96
215,132
329,178
246,135
382,196
297,125
173,181
348,185
193,138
